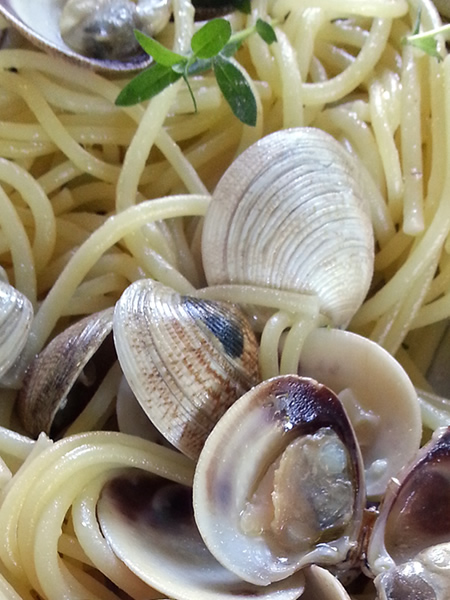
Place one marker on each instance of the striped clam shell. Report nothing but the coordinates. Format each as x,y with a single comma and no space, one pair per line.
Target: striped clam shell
185,359
291,213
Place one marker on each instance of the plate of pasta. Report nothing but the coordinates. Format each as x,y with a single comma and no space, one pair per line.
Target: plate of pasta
225,301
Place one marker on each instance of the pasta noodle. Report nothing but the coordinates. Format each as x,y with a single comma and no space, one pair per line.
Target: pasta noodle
94,197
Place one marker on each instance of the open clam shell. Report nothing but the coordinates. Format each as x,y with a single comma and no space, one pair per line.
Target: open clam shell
291,213
378,395
279,483
149,523
185,359
16,315
50,397
415,512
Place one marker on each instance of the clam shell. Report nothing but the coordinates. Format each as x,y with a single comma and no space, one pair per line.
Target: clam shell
43,402
415,513
320,584
16,315
185,359
378,395
149,523
38,22
291,213
279,483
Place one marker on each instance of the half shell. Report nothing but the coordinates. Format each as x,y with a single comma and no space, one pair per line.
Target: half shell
279,483
291,213
185,359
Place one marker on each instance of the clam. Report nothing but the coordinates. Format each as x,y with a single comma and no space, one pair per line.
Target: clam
279,483
414,514
16,315
185,359
149,523
409,549
40,23
62,378
323,585
292,213
378,395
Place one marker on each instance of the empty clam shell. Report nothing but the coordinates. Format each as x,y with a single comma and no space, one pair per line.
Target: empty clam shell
185,359
49,399
279,482
149,523
378,395
291,213
16,315
415,513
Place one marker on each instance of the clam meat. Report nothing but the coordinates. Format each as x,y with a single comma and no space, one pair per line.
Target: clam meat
279,484
104,29
292,213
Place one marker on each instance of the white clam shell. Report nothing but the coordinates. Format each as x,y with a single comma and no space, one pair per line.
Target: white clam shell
320,584
378,395
185,359
262,467
291,213
150,526
16,315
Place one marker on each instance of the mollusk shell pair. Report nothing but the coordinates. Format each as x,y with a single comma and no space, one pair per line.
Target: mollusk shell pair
185,359
291,213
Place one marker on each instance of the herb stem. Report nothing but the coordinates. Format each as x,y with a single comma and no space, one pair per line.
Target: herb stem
426,34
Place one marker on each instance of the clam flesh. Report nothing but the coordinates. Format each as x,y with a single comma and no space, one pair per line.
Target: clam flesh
185,359
291,213
279,484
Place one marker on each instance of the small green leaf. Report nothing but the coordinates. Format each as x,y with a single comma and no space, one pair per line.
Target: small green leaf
427,44
266,31
200,66
211,38
147,84
418,19
236,90
157,51
242,5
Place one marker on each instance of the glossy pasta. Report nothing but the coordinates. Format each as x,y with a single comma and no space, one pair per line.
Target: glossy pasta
94,197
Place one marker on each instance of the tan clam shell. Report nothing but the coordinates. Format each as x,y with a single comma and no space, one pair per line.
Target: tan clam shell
149,524
279,484
16,315
53,373
291,213
320,584
378,395
185,359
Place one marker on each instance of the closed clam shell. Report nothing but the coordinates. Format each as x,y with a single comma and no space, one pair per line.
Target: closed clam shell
16,315
279,483
291,213
185,359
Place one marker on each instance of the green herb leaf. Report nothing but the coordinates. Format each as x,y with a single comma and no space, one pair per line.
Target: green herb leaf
236,90
160,53
418,19
427,44
266,31
147,84
242,5
211,38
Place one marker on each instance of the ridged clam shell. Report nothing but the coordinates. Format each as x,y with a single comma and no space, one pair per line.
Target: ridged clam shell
16,315
291,213
52,375
185,359
279,483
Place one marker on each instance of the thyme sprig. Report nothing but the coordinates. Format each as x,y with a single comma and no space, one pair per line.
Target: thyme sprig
212,47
